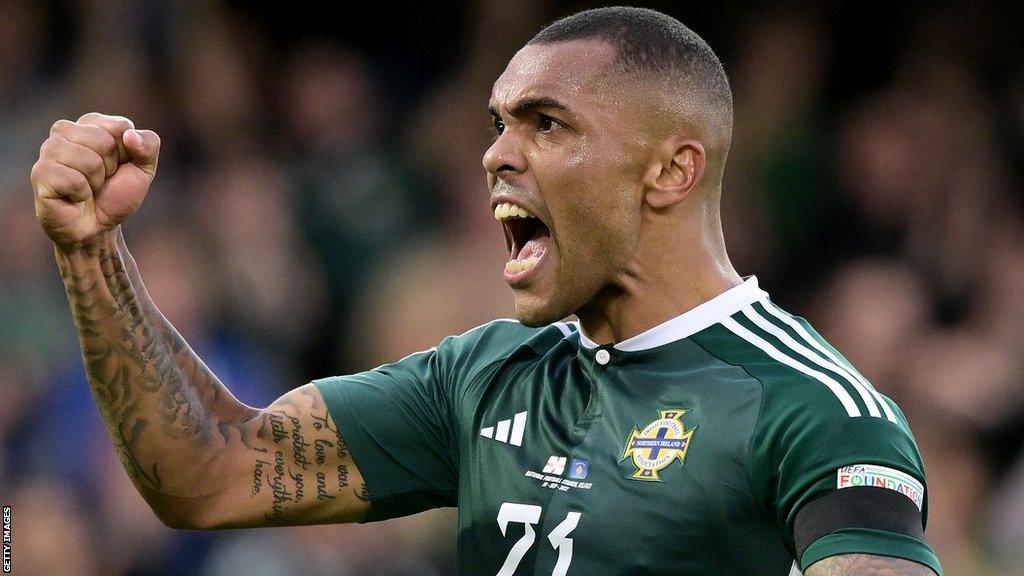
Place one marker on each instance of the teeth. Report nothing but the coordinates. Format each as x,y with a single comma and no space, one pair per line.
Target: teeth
507,210
517,266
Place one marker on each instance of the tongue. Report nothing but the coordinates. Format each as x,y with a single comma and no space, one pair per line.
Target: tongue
534,247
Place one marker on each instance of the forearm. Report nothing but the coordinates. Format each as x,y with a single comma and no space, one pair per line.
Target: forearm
195,371
199,457
167,414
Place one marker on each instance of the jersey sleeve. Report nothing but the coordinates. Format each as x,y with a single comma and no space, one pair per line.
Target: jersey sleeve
806,447
400,420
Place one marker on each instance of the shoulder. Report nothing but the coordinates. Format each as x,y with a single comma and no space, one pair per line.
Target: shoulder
800,372
817,412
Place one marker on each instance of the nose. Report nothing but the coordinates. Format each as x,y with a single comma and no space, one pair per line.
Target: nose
504,156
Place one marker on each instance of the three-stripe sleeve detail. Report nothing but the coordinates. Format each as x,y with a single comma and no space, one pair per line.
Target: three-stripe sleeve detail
807,354
837,389
846,370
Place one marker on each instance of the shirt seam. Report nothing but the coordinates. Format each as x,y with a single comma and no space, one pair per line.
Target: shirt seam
757,421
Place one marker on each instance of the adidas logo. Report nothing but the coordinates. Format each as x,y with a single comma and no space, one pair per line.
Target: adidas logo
555,465
507,431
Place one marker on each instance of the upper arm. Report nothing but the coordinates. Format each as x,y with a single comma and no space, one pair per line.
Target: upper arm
295,462
867,565
404,421
399,422
287,465
843,485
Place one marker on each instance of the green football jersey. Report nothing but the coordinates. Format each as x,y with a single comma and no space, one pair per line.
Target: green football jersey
686,450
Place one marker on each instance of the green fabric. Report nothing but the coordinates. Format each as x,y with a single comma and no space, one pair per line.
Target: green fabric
397,420
866,541
439,428
803,435
423,477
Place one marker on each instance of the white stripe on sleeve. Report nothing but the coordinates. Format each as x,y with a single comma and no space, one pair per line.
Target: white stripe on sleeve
844,397
799,348
792,323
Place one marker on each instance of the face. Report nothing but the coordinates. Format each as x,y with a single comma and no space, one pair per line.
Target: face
565,173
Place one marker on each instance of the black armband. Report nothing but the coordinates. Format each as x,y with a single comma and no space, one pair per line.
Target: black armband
858,507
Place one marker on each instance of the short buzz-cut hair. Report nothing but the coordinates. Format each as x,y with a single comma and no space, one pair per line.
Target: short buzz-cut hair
652,45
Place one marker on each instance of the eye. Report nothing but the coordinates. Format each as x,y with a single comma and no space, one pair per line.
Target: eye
498,125
546,123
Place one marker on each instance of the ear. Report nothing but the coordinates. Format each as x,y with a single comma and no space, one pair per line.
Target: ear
675,170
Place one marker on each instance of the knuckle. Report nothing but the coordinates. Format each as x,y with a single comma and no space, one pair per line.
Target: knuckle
107,121
90,130
38,171
52,148
91,117
108,143
95,163
46,148
60,126
122,121
75,181
100,140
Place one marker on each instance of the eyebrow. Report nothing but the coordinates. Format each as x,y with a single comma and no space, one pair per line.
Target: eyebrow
531,104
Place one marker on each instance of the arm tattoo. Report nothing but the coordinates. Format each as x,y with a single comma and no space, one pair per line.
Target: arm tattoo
158,400
309,459
181,436
867,565
123,446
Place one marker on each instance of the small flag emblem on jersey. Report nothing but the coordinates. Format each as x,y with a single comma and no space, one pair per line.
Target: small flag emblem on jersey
555,465
579,468
657,445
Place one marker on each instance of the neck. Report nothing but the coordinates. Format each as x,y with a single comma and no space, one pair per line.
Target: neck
656,287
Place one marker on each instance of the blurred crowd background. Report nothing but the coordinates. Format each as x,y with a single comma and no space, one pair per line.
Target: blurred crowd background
321,208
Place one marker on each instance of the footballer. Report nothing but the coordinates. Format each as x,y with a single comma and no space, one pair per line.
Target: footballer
683,425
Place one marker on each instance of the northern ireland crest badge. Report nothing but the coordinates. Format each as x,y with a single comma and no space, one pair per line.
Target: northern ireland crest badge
657,445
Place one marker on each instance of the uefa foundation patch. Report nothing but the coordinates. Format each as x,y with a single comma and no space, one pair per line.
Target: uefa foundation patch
869,475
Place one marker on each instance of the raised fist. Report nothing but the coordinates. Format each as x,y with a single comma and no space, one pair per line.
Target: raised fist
91,176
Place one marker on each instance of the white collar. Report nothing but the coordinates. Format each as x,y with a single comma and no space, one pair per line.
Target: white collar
690,322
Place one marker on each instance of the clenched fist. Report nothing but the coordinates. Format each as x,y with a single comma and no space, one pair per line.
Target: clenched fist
91,176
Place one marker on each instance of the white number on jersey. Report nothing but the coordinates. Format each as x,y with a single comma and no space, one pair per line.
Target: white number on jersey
528,515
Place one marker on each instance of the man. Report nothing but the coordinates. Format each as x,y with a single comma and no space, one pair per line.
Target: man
685,425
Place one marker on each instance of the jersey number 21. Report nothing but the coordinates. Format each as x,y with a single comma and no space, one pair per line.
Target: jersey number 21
528,515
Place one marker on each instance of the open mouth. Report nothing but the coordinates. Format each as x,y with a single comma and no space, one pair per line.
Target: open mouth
526,237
